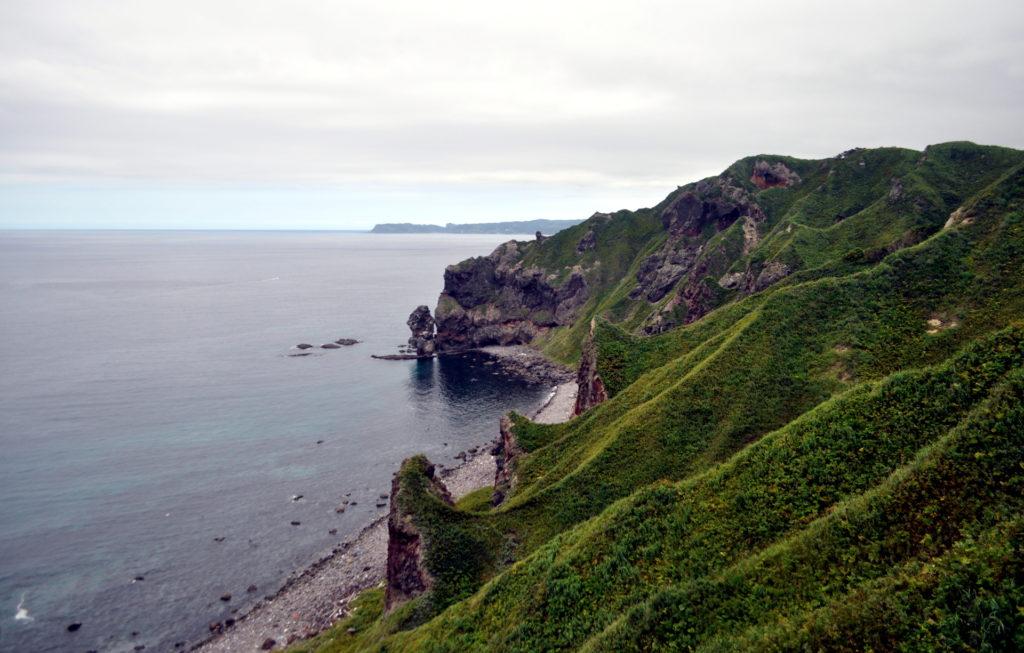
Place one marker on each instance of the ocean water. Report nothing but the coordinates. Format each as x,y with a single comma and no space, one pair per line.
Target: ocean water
149,404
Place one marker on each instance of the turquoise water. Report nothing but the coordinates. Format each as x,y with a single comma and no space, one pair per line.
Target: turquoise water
148,404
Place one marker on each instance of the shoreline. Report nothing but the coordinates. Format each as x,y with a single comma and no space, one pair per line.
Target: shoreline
316,596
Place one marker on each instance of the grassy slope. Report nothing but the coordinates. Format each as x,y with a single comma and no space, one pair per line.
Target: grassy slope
814,364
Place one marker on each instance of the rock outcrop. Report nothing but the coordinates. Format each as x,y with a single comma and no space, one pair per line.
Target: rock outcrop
773,175
421,323
407,575
590,388
497,300
587,243
685,261
505,453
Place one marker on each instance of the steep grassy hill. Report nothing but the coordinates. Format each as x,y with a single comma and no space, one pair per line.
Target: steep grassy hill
814,436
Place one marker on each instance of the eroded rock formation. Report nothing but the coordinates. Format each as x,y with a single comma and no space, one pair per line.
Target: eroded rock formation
505,453
591,390
773,175
407,576
421,323
497,300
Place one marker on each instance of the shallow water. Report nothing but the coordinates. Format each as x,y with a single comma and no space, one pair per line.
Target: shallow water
148,404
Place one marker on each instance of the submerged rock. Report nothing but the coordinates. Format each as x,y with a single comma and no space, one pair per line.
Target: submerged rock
329,345
346,342
303,345
74,626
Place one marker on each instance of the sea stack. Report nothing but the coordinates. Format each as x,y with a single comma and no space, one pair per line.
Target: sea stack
421,323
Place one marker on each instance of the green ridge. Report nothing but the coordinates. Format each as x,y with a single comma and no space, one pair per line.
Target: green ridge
833,463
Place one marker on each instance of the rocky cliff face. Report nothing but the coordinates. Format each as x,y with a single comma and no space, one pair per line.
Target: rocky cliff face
497,300
692,258
407,576
590,388
505,453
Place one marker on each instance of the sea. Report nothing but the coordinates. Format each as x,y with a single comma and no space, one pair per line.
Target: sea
156,426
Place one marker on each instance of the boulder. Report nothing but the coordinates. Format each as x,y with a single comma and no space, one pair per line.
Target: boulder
303,345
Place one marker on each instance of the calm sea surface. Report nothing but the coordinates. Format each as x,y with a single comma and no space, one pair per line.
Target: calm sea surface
148,404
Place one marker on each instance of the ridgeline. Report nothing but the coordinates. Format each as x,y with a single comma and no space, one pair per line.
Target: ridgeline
804,427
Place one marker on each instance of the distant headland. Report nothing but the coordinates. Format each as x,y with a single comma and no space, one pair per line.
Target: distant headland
546,227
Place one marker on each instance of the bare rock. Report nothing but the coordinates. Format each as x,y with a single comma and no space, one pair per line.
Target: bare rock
777,175
505,451
422,325
590,388
407,574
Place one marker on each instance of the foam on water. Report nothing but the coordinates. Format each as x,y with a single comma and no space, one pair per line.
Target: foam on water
22,613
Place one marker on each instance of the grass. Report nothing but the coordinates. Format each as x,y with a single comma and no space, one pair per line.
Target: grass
809,467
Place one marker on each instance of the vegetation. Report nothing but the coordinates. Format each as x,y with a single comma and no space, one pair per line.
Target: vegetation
835,462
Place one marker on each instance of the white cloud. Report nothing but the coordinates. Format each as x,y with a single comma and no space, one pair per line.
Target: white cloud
625,95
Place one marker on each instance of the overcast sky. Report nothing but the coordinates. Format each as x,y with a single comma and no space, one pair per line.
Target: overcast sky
342,114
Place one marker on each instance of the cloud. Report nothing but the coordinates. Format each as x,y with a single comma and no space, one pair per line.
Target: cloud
625,95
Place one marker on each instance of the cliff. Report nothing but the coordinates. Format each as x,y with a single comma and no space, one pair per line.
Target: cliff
802,421
709,243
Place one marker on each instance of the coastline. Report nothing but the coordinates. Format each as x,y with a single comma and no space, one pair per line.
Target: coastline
317,596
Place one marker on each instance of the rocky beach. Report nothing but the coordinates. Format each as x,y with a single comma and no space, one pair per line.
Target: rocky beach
314,598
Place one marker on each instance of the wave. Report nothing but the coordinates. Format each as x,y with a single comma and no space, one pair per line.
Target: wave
22,613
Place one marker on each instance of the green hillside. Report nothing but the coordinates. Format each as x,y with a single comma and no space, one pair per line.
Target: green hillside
814,437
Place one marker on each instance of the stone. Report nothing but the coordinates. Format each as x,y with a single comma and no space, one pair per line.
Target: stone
303,345
587,243
421,324
407,575
590,388
251,589
74,626
346,342
296,523
506,450
268,644
225,597
329,345
766,175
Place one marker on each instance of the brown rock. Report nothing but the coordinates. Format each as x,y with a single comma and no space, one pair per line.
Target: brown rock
590,388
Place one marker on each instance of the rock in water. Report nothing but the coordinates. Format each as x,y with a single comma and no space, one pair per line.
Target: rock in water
303,345
421,323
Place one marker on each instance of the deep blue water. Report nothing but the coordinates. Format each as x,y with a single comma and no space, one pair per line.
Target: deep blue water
148,404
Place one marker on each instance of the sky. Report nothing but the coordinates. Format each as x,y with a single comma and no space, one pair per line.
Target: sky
339,115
